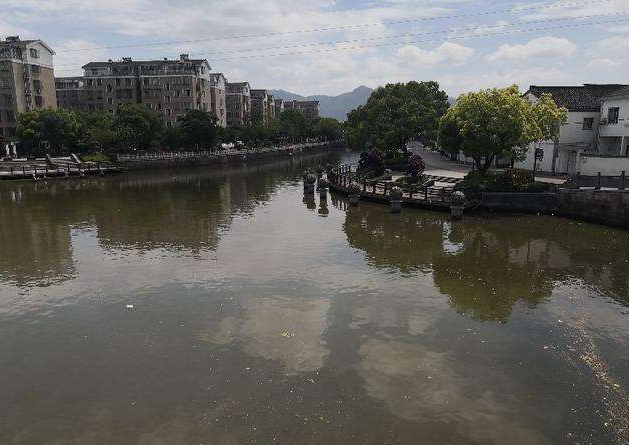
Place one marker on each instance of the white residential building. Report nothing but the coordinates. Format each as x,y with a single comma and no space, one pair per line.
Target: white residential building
579,141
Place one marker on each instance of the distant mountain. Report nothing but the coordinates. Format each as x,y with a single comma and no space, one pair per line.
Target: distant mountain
332,106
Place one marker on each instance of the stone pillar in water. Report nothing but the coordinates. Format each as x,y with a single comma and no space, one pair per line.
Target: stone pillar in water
457,206
309,184
395,199
322,187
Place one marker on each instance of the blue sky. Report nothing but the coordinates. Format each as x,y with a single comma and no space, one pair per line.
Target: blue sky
329,47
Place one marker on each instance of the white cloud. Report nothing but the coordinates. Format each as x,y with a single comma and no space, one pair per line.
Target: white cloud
614,45
447,52
539,47
602,64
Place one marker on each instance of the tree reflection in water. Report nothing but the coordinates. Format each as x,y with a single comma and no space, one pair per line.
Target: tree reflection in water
488,265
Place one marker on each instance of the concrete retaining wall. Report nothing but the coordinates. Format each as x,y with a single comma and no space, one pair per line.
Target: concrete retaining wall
520,202
608,207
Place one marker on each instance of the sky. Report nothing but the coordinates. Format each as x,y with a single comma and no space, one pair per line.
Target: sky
330,47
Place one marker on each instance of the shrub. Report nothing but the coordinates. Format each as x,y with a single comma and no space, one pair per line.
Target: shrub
371,161
416,166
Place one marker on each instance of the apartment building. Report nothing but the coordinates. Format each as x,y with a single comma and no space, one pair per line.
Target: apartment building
279,107
270,110
26,82
260,106
238,99
218,90
168,87
309,108
70,93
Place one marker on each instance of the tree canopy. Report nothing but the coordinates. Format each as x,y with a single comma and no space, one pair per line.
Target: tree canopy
396,114
496,122
134,127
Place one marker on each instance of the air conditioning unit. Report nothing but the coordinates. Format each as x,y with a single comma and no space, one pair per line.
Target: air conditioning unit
603,121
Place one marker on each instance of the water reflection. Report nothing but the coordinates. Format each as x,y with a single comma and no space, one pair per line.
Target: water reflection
487,265
223,307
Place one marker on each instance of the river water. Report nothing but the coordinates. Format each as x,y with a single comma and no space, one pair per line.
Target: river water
221,308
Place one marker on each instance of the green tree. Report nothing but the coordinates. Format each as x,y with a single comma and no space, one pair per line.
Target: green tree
396,114
137,128
198,129
328,128
497,123
97,132
49,131
294,125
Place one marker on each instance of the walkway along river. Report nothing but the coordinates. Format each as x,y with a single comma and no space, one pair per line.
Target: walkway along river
222,307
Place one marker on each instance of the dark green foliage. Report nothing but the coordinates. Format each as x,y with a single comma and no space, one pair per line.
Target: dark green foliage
416,166
371,162
197,129
501,181
134,128
397,114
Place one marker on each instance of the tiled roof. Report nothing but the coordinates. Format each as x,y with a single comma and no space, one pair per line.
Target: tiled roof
578,98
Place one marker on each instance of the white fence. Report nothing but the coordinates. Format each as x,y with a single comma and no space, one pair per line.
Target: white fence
217,153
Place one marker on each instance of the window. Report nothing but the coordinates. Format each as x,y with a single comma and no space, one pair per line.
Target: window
89,82
127,81
588,123
118,81
34,53
167,110
39,101
110,101
8,100
166,99
169,124
188,93
145,81
109,88
612,115
10,116
99,82
167,87
111,111
149,106
177,93
35,69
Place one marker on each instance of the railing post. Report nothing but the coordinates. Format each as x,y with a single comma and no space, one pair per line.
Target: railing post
386,188
426,193
621,185
23,170
364,185
12,170
578,180
598,181
443,195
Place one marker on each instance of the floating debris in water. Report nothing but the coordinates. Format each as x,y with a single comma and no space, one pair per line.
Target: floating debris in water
287,334
129,306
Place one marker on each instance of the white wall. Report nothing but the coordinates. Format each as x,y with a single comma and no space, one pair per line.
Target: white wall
622,127
45,56
544,165
591,165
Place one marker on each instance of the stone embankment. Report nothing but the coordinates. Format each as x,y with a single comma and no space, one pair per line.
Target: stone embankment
164,160
608,207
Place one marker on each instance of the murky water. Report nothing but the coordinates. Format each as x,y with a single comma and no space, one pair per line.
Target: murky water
203,307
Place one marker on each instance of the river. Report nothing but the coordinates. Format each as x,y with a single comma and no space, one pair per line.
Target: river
220,307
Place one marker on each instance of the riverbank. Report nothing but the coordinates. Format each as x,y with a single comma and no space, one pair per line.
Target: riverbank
606,207
204,158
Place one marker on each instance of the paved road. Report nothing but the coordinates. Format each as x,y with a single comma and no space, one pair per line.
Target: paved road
436,165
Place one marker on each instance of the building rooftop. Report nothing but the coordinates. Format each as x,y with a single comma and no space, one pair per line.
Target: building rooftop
183,58
578,98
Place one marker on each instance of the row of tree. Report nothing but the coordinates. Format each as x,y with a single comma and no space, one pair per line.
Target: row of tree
134,127
484,125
